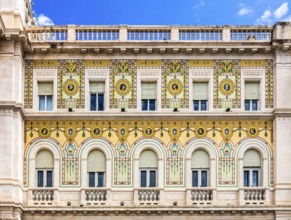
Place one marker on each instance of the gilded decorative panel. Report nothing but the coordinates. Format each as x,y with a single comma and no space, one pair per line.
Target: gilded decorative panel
71,89
28,85
123,84
175,82
122,137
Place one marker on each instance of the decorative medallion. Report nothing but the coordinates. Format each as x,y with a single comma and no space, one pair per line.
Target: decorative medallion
71,87
252,131
201,132
226,133
96,132
122,134
44,132
175,87
123,87
226,87
70,133
148,132
174,134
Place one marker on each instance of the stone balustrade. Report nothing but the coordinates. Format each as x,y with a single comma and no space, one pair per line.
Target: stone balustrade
73,33
201,196
43,196
254,196
147,196
96,195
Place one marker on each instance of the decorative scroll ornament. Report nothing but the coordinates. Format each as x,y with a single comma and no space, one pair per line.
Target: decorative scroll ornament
226,87
71,87
123,87
71,67
44,132
175,87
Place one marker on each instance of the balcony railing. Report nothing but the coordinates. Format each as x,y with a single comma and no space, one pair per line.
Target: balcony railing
73,33
43,196
200,196
94,196
254,196
144,196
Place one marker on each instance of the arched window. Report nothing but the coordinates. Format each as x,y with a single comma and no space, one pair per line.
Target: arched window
44,168
252,167
96,168
148,165
200,169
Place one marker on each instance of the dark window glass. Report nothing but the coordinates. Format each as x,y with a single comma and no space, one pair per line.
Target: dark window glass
49,102
152,104
203,105
39,178
204,178
196,105
194,178
152,178
255,178
91,179
101,179
247,105
143,178
93,102
41,103
101,102
144,104
246,178
49,178
254,105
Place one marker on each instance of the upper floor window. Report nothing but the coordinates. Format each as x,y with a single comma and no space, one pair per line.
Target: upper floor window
252,96
45,94
200,96
200,169
96,168
97,90
251,167
148,165
148,96
44,169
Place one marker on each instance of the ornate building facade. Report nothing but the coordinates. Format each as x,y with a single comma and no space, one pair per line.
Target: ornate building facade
137,122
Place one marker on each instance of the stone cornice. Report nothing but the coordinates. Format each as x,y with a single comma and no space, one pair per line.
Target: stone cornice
10,107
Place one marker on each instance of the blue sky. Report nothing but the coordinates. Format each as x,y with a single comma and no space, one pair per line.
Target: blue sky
161,12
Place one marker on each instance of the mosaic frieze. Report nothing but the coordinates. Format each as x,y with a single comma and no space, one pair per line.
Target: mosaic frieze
174,80
123,136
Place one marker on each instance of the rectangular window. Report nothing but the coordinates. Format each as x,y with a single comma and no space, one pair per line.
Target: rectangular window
251,177
44,178
199,178
200,96
148,96
252,96
97,90
96,179
45,94
148,178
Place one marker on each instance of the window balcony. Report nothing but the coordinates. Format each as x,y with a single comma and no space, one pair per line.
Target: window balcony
148,196
95,196
43,196
254,196
201,196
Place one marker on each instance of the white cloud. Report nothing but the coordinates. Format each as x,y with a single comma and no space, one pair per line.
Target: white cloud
265,18
199,4
287,18
44,20
281,11
244,10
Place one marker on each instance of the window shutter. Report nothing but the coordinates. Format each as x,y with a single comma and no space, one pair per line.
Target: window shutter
96,161
200,91
45,88
252,158
148,90
200,159
148,159
44,159
252,90
97,87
